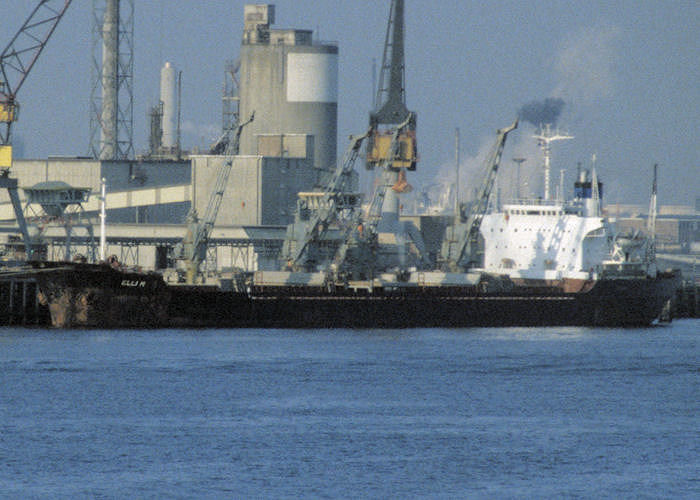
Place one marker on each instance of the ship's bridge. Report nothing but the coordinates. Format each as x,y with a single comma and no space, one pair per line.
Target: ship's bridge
542,207
544,239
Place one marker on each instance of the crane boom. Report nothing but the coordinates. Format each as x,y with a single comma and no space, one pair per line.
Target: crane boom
390,103
195,250
374,213
453,255
212,210
16,61
18,58
317,227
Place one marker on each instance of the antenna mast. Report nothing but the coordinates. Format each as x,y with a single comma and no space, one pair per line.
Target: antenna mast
544,138
651,220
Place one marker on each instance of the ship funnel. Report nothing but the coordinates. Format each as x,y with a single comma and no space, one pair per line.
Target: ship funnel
584,190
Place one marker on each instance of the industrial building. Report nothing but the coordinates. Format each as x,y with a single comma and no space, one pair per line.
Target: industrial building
288,79
290,82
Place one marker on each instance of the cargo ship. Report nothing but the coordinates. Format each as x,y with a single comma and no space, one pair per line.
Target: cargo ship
537,262
96,295
540,263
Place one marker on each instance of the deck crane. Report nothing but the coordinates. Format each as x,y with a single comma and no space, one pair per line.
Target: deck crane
460,245
331,202
16,61
195,243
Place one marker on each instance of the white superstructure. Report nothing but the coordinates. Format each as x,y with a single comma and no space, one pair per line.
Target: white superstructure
547,240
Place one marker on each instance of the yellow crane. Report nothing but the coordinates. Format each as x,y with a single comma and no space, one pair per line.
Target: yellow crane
16,61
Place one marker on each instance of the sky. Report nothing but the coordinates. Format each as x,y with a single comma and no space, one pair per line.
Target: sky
627,72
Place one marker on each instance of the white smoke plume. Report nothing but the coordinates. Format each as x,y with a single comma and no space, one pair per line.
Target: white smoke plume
585,65
201,134
584,68
472,171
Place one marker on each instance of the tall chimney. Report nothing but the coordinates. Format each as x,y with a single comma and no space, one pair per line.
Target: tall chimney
110,84
167,96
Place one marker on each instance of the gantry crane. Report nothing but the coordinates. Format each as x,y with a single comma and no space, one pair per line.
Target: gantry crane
461,240
16,61
196,240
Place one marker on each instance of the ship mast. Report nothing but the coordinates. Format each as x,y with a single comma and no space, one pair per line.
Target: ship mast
544,138
651,220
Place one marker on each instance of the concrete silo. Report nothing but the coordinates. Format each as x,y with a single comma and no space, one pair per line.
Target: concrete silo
291,82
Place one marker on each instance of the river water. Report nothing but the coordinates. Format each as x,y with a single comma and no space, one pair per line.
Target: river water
497,413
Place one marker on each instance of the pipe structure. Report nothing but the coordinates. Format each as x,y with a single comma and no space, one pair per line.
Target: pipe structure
103,219
167,96
457,187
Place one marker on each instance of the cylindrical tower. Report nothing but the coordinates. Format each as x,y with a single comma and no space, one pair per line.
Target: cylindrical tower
110,89
291,82
167,96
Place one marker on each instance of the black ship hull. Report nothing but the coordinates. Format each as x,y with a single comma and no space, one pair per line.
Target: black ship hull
629,302
97,295
84,295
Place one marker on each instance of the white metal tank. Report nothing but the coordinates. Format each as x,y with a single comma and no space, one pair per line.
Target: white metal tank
168,76
291,82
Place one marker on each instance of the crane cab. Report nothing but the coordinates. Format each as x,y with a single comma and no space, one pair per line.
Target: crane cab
379,150
8,112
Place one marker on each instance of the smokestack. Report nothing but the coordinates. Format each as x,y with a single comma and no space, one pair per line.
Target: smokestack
110,83
167,96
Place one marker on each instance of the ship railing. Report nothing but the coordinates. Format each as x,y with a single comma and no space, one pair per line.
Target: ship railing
532,201
568,207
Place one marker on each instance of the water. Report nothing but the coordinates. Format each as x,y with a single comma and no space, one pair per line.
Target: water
497,413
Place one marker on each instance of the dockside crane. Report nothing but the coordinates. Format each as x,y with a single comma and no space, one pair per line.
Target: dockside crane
390,103
390,114
362,231
390,149
310,228
196,241
16,61
461,241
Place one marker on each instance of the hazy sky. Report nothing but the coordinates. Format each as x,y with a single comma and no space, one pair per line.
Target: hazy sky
627,71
